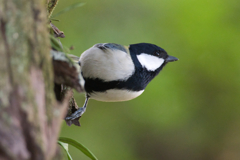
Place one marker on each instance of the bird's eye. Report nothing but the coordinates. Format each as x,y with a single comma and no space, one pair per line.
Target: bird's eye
157,53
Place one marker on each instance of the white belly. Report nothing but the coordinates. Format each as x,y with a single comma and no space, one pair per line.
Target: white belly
114,95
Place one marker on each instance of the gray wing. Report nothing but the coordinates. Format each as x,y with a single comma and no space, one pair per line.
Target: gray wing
112,46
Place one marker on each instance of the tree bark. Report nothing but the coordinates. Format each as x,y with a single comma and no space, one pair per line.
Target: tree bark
30,117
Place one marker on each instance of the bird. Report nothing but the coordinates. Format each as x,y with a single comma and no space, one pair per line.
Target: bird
113,72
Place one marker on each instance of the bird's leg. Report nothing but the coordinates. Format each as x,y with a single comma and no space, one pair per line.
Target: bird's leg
78,113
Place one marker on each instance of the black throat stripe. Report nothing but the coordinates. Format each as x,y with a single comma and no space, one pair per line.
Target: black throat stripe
98,85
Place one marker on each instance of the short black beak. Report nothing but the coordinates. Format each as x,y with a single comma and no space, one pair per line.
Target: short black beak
171,59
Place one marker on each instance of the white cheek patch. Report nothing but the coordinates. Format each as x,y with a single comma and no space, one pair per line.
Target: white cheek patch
151,63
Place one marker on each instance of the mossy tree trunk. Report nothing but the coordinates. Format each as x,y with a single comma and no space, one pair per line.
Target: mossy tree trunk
30,117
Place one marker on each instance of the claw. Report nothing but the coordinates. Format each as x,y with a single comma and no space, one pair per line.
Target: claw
74,118
75,121
77,114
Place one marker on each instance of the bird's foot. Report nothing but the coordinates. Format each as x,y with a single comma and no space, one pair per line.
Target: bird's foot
74,118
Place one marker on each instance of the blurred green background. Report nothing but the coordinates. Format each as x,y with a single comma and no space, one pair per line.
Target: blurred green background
191,111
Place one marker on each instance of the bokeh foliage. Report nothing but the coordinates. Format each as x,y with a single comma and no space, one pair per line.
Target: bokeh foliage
192,109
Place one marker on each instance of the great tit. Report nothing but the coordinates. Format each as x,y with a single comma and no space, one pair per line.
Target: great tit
113,72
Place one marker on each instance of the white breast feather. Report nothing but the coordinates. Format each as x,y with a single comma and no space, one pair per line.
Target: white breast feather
114,95
151,63
107,65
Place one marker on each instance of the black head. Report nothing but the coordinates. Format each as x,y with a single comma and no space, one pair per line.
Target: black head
152,50
150,56
149,60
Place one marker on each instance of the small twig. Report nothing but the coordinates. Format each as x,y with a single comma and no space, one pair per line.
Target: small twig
57,32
